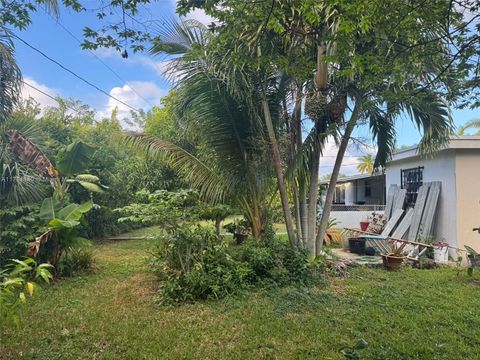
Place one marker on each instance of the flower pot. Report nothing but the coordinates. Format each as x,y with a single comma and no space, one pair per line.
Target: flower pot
240,238
391,262
364,225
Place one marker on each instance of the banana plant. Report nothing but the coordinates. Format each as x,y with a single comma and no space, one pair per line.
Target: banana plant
62,221
71,163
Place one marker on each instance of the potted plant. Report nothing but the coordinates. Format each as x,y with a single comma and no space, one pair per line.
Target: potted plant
394,259
239,229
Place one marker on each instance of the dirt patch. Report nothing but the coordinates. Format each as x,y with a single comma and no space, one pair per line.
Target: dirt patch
474,282
142,286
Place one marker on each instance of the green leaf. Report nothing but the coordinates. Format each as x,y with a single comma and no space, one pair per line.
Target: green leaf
75,158
74,212
91,186
58,224
47,210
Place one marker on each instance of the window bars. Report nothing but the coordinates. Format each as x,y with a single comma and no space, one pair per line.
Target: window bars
411,180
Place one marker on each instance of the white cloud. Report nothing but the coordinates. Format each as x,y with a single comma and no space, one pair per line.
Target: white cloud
350,160
137,94
200,15
38,96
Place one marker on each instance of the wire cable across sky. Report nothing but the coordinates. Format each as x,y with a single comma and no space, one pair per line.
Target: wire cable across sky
74,74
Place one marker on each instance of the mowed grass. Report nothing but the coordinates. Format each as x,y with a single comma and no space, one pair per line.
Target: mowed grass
113,314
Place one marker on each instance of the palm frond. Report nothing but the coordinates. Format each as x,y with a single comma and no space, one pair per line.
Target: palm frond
10,75
177,38
211,185
472,124
382,126
432,117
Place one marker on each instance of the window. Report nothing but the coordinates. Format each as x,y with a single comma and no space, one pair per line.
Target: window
412,179
339,194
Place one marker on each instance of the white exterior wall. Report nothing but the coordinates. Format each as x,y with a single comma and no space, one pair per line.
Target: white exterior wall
468,198
349,193
440,168
350,219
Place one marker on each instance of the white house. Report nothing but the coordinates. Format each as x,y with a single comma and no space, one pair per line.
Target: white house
457,167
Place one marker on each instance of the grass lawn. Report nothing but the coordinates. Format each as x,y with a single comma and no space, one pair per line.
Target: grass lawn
112,314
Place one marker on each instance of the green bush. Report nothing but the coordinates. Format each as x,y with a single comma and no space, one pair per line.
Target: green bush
18,226
193,264
102,221
275,261
76,260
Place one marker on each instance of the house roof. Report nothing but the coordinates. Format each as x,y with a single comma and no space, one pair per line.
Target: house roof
352,178
456,142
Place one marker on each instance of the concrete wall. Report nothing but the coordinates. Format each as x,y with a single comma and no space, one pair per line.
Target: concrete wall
441,168
468,197
350,219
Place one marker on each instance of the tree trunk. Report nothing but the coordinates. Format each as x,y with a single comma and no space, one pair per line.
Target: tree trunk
218,222
296,206
302,222
312,203
333,180
278,172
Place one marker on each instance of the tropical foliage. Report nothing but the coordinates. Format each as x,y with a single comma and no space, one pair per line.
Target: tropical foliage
18,280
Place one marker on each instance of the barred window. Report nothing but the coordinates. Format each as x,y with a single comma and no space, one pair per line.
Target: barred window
412,179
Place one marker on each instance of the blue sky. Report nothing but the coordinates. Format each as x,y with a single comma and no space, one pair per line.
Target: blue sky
141,73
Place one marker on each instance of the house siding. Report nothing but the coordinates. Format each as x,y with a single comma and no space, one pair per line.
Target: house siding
468,197
440,168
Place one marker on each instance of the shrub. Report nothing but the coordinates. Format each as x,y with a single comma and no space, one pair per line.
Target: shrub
76,260
275,261
102,221
18,226
193,263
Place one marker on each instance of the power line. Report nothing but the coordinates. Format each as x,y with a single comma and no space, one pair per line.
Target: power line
99,59
75,74
46,94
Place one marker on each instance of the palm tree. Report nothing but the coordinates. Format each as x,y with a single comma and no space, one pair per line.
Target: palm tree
366,164
232,163
472,124
10,74
11,77
22,163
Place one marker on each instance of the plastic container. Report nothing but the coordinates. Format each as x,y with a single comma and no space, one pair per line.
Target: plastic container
440,252
357,245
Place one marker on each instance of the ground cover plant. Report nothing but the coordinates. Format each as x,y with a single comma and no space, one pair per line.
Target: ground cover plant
114,312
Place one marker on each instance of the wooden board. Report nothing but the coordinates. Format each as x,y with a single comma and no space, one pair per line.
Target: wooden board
426,225
390,198
399,199
381,246
397,214
404,225
418,211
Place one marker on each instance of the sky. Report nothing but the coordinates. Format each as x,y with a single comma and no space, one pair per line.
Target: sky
138,80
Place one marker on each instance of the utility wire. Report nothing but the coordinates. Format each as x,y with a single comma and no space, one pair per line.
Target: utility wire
99,59
46,94
74,74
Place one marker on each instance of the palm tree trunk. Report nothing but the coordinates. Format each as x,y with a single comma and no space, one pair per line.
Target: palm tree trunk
312,202
296,206
336,170
302,222
278,171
